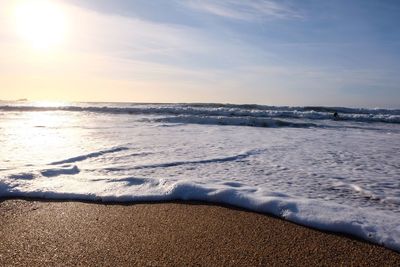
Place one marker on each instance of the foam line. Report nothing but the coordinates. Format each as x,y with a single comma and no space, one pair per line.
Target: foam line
90,155
204,161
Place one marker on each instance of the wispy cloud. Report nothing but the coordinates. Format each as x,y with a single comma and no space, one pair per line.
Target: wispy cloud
254,10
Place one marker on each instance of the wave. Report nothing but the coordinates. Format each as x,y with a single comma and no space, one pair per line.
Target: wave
234,121
226,110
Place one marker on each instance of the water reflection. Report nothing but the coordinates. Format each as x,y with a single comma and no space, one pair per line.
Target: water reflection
36,137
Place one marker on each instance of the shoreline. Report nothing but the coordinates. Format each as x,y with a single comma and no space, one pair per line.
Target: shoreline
178,233
190,202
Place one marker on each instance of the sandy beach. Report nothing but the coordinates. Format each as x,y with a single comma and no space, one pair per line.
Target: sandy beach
175,234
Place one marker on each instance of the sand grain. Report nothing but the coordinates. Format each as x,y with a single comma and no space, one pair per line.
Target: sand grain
73,233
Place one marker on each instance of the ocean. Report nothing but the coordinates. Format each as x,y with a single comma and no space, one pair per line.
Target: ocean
298,163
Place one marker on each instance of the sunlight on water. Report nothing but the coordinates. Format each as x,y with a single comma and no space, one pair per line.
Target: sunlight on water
35,137
45,119
50,104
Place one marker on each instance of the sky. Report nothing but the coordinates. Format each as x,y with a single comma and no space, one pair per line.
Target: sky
288,52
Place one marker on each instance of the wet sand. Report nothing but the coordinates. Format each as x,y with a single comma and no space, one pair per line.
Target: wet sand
175,234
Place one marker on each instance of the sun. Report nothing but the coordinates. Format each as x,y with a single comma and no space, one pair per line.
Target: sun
41,23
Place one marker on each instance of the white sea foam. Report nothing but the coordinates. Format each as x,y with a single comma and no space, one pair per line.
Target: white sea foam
224,110
339,176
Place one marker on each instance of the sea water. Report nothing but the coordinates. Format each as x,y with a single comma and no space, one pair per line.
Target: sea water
299,163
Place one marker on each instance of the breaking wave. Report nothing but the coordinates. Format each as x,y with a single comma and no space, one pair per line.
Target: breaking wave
225,110
234,121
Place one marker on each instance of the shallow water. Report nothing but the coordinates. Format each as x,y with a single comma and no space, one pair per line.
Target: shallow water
294,162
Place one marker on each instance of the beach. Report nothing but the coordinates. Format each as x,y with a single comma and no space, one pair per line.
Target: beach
55,233
199,133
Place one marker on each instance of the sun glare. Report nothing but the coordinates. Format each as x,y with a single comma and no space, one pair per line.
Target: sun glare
41,23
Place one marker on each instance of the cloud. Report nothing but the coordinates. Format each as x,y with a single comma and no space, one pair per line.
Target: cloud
255,10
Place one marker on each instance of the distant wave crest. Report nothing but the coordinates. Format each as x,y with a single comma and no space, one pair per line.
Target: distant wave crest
225,110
